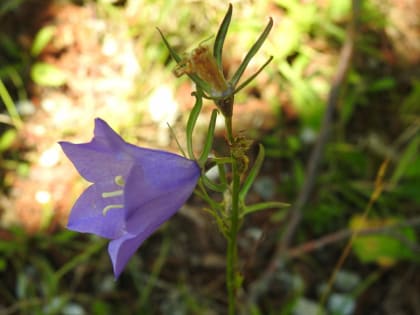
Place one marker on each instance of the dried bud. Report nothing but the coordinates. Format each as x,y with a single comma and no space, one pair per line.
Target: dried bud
202,63
239,149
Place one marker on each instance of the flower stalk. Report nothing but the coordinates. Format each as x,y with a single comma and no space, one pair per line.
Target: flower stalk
205,69
232,278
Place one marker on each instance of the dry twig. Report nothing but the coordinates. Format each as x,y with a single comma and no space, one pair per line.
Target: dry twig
347,233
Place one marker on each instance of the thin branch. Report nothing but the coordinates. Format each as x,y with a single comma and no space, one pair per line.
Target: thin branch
343,234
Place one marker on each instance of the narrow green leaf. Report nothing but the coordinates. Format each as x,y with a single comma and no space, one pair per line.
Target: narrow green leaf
406,160
10,106
192,119
245,83
212,185
221,160
209,139
249,180
237,76
220,37
14,71
176,140
222,174
202,193
172,52
200,83
264,206
7,139
45,74
42,38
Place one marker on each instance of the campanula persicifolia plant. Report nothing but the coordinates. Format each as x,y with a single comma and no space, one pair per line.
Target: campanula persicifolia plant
204,67
135,190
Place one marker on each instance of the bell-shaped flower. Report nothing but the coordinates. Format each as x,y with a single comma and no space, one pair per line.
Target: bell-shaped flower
134,190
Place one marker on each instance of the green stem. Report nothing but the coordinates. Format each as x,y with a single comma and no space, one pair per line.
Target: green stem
229,132
230,275
10,106
232,251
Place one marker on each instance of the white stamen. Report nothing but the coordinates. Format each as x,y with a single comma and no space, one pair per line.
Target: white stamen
119,180
107,208
112,194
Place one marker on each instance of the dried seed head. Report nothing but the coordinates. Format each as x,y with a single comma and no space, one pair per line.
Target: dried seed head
202,63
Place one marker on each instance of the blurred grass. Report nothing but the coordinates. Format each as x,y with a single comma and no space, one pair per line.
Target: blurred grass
65,273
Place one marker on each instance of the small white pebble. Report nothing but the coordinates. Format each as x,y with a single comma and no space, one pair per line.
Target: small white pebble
50,157
162,106
42,197
308,135
109,46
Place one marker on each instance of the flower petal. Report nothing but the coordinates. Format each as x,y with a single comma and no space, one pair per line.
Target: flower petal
93,164
151,201
121,249
88,216
162,169
93,159
149,205
106,138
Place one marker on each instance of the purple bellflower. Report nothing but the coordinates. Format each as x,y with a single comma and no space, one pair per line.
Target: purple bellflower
134,190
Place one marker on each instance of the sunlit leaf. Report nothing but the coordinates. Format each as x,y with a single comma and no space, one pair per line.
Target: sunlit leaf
383,248
220,37
42,38
47,75
209,139
248,80
10,105
254,49
252,173
264,206
192,119
212,185
7,139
